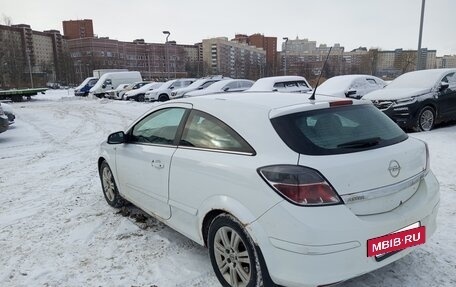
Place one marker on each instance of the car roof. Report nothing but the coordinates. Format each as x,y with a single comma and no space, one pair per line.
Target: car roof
262,102
267,84
220,84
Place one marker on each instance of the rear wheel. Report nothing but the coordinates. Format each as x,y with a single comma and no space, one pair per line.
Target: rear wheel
140,98
110,191
163,98
425,120
232,253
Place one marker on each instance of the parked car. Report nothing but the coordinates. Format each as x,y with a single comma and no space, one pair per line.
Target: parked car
223,86
83,89
132,86
294,84
4,123
418,100
9,112
113,79
163,93
197,85
279,190
138,94
350,86
113,94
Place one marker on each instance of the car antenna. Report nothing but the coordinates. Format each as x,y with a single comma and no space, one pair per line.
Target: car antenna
312,98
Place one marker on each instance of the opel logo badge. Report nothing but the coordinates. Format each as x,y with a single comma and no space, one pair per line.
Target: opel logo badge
394,168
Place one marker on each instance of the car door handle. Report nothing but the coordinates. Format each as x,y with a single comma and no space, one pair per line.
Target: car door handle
156,163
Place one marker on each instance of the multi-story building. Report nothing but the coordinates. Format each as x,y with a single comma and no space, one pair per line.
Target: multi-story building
75,29
358,61
393,63
447,61
269,44
303,57
154,61
299,46
233,59
29,57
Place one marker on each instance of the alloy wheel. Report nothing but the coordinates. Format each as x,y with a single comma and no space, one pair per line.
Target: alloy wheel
108,184
232,257
427,120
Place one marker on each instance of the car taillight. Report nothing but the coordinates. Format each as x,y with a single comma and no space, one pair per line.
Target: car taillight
300,185
340,103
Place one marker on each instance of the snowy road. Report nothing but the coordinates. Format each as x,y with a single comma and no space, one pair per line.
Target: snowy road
57,230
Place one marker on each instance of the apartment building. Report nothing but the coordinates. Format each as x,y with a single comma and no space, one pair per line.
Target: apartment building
233,59
269,44
393,63
447,61
303,57
155,61
29,57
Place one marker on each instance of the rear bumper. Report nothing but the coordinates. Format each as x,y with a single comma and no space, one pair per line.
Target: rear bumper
322,245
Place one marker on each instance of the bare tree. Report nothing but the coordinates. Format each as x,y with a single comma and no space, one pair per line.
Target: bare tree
7,20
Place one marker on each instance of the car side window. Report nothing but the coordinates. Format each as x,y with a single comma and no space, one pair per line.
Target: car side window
372,83
302,84
205,131
207,84
92,83
160,127
450,79
232,86
359,84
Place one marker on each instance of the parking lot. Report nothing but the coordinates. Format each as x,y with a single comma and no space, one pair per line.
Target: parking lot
57,230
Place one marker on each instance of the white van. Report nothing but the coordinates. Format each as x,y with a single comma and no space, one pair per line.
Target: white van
110,81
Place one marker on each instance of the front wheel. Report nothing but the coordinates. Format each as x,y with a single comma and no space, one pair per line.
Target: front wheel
163,98
110,191
232,253
425,120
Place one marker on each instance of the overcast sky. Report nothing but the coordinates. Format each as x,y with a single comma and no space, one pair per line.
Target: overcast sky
385,24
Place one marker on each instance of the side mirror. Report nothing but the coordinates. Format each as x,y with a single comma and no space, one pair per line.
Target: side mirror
172,87
226,89
104,86
350,93
116,138
443,86
200,88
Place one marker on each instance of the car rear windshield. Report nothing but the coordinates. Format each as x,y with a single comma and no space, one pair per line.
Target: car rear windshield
338,130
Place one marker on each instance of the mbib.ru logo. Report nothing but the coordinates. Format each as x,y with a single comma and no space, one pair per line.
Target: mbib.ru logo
396,241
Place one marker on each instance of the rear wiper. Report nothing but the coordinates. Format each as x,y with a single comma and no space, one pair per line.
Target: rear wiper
361,143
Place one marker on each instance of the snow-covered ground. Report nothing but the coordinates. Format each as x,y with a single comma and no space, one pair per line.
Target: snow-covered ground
57,230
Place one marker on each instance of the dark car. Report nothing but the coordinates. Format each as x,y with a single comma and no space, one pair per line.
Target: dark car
4,123
418,100
9,112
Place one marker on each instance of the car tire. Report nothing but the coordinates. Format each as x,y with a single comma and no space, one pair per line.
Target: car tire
140,98
425,120
163,98
108,184
232,253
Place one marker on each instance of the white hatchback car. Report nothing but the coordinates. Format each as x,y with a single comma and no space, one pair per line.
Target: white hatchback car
294,192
